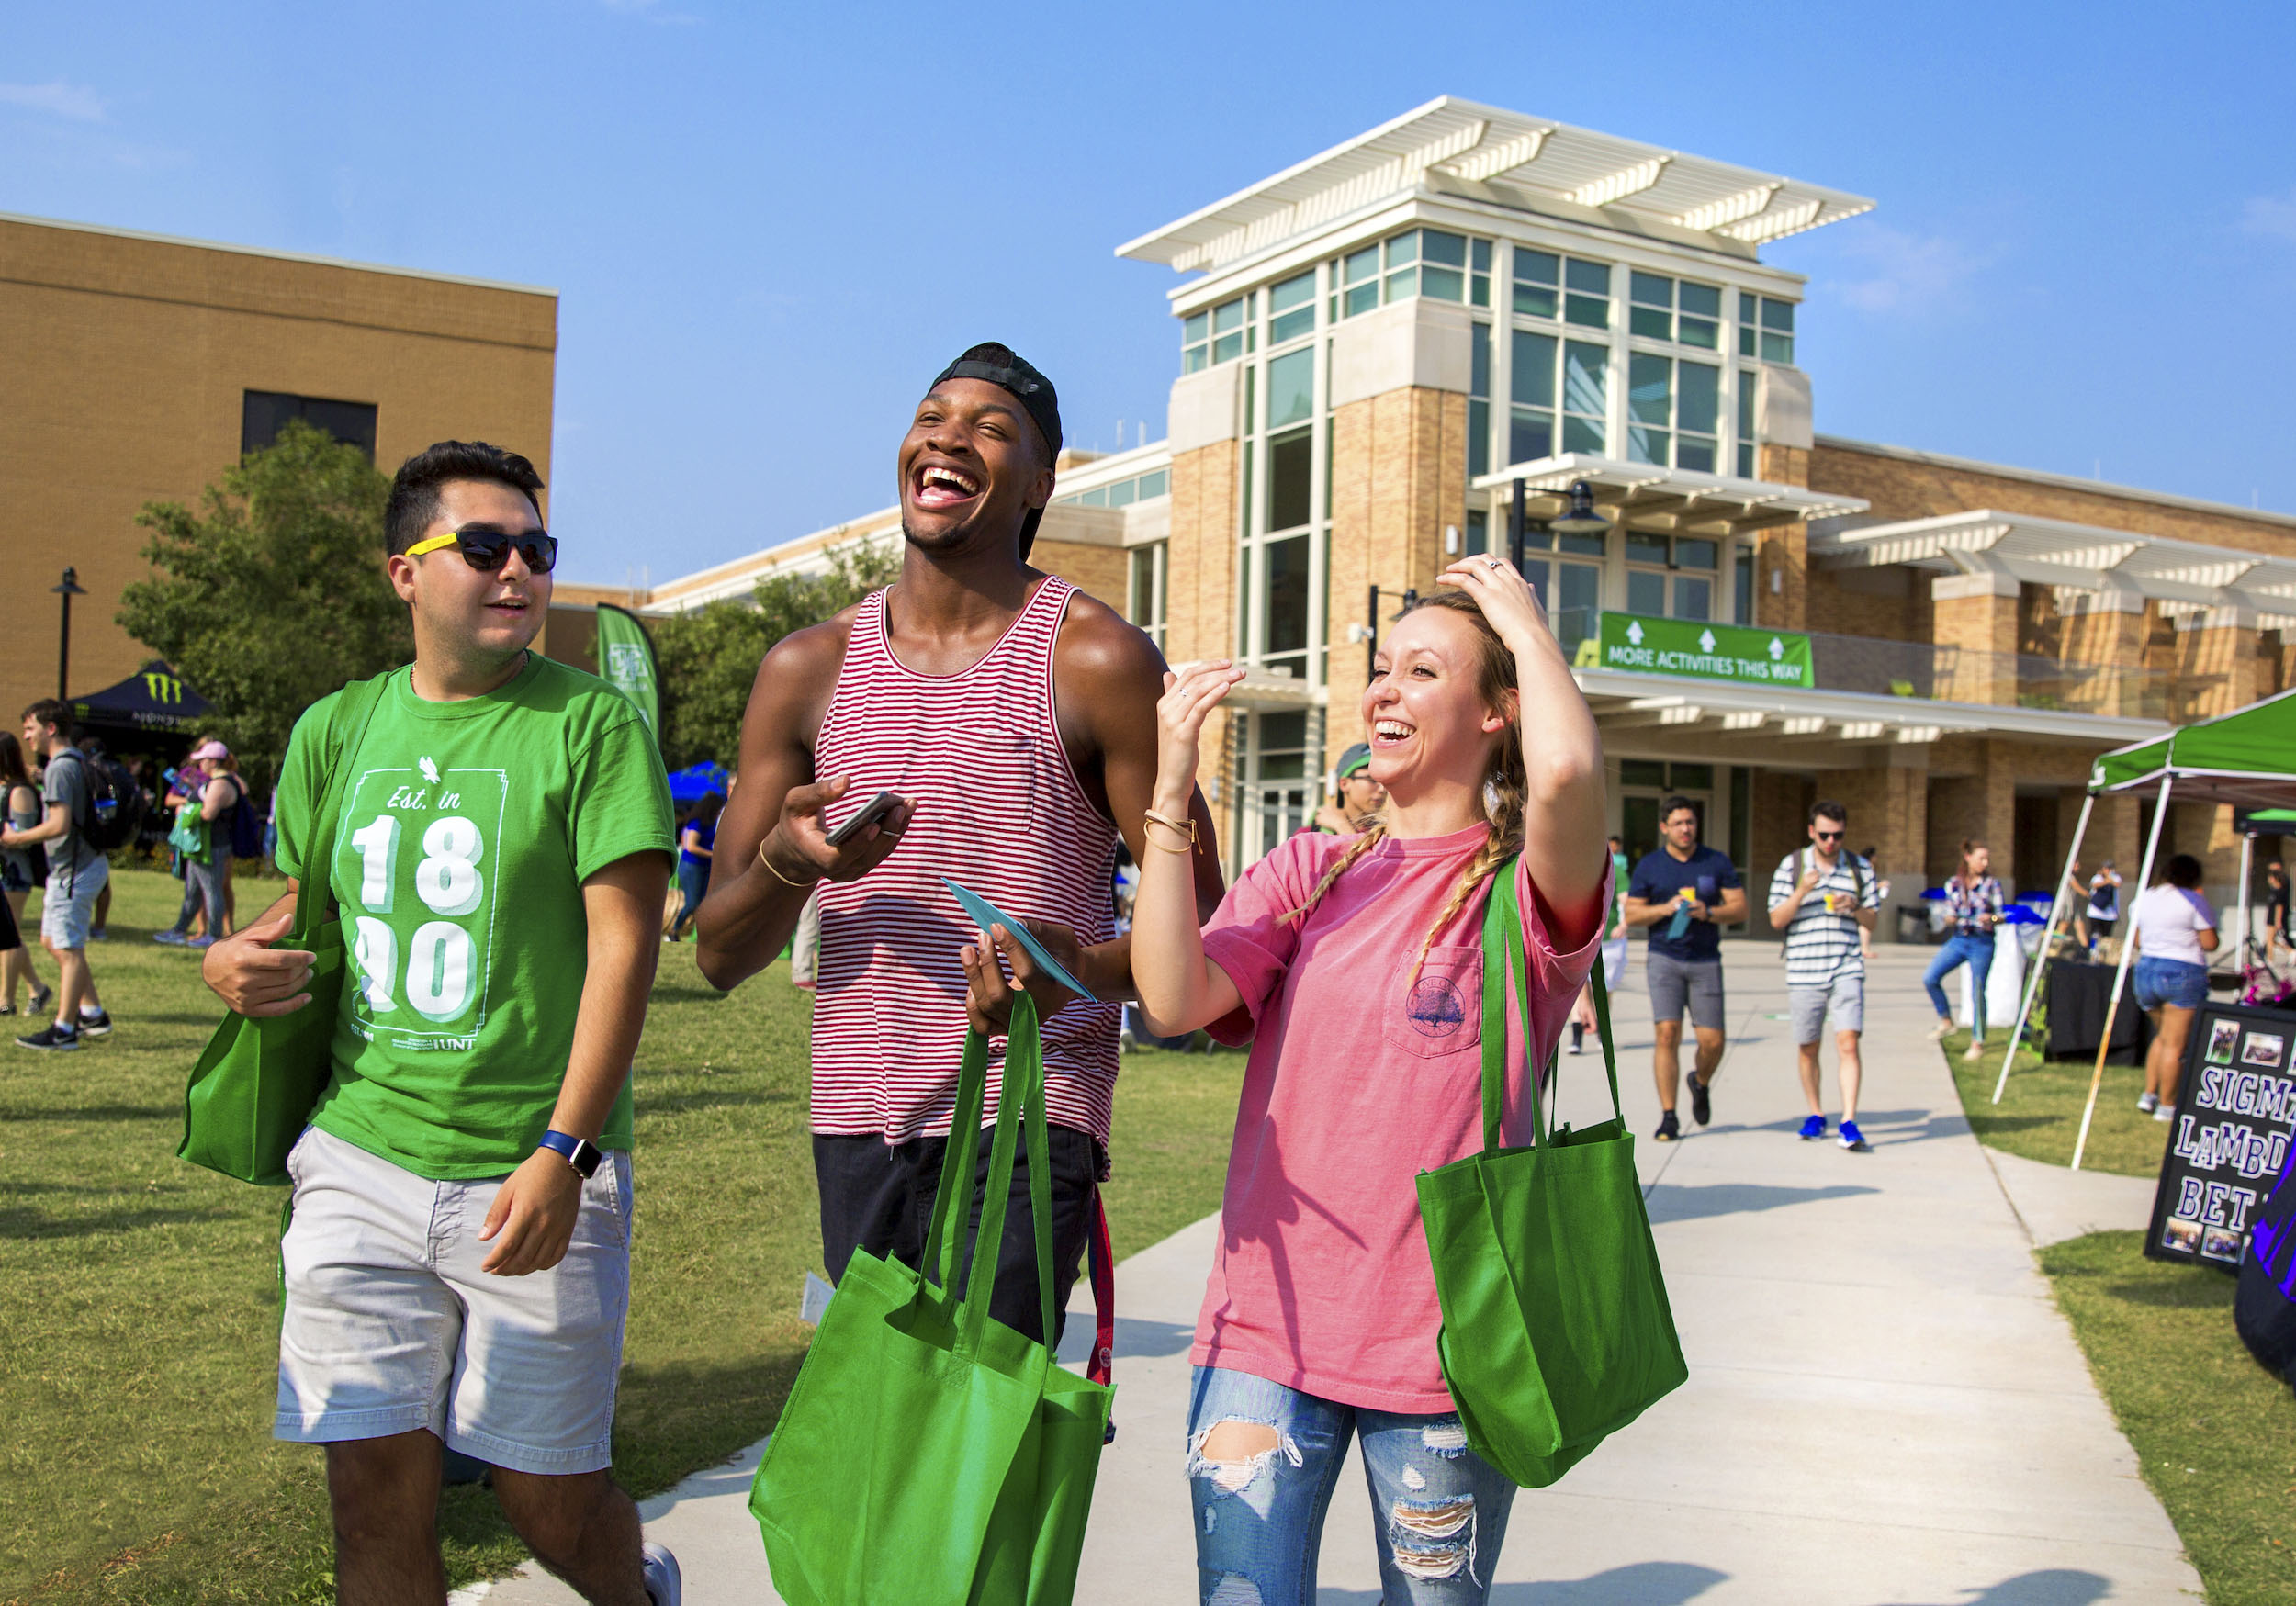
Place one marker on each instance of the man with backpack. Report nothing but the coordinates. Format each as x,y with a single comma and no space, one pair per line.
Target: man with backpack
1824,897
74,836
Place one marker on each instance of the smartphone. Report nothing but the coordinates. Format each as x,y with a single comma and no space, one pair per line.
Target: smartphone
875,812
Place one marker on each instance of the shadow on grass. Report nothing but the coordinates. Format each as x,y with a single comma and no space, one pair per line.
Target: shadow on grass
30,1223
2204,1290
93,1112
674,993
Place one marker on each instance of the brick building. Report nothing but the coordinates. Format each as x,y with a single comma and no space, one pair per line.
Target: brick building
1413,346
139,368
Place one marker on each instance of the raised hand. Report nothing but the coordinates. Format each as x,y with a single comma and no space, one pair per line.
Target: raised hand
799,845
1190,694
1505,595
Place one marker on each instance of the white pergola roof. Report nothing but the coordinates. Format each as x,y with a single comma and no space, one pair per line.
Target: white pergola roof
2184,576
1484,144
1681,499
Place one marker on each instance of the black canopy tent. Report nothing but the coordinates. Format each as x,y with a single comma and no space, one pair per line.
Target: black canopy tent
155,698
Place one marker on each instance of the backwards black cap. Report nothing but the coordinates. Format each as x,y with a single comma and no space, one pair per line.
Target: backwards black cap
1000,366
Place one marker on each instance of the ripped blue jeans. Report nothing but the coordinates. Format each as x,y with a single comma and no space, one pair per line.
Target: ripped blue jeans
1263,1460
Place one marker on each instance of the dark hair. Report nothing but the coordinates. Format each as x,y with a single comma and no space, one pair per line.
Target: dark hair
1825,808
14,771
2184,870
50,711
414,491
706,813
1667,809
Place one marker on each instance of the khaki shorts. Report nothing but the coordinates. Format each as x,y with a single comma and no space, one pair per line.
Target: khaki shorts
1843,998
391,1326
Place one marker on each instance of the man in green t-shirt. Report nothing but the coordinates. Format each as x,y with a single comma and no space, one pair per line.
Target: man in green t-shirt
458,1263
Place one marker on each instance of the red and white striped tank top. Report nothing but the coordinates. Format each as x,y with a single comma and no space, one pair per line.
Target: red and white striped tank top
998,809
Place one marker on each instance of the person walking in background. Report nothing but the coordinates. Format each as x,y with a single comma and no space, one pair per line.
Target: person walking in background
1613,951
1359,797
2275,914
1825,899
695,840
2104,909
1685,893
1873,857
76,875
205,799
21,870
1353,966
2176,932
1972,912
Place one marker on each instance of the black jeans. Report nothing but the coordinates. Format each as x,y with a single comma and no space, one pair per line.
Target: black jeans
880,1197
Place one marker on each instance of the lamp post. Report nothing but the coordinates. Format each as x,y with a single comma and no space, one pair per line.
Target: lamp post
68,590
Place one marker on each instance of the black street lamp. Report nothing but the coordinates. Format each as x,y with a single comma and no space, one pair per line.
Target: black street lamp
68,590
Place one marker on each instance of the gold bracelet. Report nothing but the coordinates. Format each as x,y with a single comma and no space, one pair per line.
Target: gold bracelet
801,886
1186,830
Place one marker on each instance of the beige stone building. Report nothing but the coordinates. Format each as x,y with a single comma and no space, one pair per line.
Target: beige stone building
1410,347
138,368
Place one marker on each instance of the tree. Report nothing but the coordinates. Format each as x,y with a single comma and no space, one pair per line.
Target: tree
272,594
710,657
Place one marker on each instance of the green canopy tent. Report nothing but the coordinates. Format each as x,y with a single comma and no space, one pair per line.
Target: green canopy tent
2246,757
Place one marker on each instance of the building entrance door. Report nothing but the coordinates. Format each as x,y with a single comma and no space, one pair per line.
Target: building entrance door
1273,813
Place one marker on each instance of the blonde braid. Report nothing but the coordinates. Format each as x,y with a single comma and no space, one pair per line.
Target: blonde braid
1370,837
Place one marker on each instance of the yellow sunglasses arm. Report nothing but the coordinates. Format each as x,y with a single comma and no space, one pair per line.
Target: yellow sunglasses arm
433,544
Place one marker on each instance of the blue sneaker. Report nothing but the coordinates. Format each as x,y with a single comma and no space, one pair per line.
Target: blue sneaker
1813,1128
170,938
1854,1140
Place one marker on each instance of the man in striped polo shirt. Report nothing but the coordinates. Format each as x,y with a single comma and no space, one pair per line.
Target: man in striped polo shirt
1821,897
1014,717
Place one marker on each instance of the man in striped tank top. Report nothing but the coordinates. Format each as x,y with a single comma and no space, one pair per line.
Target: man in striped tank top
1015,719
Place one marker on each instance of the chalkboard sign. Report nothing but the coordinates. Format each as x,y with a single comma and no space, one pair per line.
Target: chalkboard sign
2236,1109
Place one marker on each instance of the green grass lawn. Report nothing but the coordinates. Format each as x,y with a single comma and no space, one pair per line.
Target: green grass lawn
2215,1432
2040,1113
138,1295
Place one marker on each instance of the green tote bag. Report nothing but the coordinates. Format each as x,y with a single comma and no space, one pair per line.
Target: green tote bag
1555,1327
252,1091
929,1454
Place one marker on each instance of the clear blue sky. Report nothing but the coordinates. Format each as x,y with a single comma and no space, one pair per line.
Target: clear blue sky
769,226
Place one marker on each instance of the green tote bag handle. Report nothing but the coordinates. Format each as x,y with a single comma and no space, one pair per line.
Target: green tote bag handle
1503,945
252,1092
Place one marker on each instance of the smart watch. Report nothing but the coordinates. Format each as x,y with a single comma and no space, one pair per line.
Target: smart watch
581,1154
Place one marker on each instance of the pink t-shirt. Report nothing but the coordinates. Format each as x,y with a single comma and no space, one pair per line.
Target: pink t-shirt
1359,1080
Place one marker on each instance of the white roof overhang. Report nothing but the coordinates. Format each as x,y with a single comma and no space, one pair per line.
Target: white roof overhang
2183,575
1459,139
1622,698
1680,499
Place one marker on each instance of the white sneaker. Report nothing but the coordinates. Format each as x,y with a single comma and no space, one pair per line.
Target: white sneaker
2166,1111
1941,1031
2148,1102
1975,1051
664,1587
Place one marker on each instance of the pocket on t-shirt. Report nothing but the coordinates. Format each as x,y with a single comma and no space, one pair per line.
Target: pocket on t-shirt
1440,1010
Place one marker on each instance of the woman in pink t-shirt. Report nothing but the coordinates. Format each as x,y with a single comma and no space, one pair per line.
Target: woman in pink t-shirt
1353,967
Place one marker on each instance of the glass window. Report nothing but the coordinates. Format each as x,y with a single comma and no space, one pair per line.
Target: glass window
1652,315
1585,398
1289,459
1227,331
1749,318
1145,603
1287,622
1536,275
1403,274
1443,274
1698,415
1646,591
1746,423
1694,597
1777,330
1692,777
1292,308
1588,298
1478,537
1123,493
1156,485
1646,548
1095,498
1742,571
1282,745
1578,603
1650,408
1585,545
1362,272
1479,293
1693,553
1642,772
1478,400
1700,325
1531,386
1195,342
1290,388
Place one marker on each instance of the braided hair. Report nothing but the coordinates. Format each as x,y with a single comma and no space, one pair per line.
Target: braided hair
1503,781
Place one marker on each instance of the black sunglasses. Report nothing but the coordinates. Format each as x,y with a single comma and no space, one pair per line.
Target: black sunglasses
1831,836
488,550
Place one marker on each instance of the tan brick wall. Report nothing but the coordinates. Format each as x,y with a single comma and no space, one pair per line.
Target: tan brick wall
1399,476
2221,669
1199,583
1985,628
129,358
1889,604
1103,573
1780,803
1983,805
1888,812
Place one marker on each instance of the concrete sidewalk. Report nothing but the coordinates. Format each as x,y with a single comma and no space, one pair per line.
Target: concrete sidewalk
1885,1408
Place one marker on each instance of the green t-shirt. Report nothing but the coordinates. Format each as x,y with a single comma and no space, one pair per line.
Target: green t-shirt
466,833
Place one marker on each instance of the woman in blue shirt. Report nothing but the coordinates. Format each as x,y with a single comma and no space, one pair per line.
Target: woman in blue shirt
694,845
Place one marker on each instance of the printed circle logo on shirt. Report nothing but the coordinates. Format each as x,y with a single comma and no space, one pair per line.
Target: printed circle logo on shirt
1434,1007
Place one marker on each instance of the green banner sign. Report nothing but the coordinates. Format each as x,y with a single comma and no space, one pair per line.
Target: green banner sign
1702,652
626,662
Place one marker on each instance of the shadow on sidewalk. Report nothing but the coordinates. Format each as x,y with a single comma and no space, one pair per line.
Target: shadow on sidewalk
1693,1202
1645,1583
2050,1587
